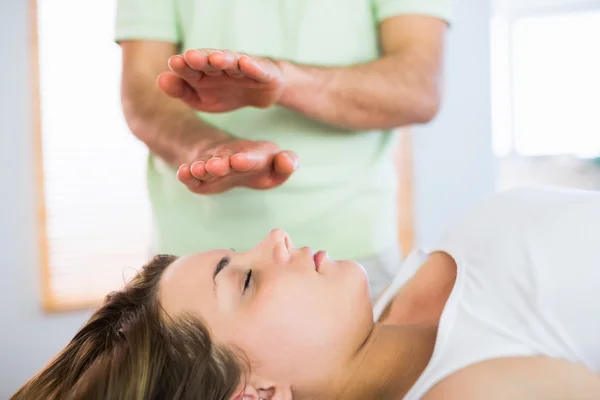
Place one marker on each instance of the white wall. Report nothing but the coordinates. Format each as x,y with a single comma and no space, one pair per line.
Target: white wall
28,338
454,165
453,162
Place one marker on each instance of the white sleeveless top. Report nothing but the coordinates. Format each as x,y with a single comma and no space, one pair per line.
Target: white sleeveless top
528,283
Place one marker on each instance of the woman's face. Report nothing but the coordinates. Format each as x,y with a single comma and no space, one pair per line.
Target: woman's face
297,316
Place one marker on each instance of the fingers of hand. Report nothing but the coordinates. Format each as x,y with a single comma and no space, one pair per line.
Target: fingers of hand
259,169
218,167
174,86
184,175
250,161
285,163
253,69
214,62
198,186
227,61
178,65
198,170
210,168
198,60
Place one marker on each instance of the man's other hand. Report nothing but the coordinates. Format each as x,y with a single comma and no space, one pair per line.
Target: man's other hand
216,81
238,163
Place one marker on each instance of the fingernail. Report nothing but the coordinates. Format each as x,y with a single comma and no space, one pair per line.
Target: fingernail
255,156
293,160
235,155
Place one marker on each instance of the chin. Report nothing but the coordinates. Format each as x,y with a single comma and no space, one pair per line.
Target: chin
362,270
360,281
358,270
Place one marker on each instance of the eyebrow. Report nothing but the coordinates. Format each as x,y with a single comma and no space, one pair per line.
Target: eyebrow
220,265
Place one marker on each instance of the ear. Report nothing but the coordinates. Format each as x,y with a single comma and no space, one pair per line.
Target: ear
264,390
246,393
272,393
275,393
279,392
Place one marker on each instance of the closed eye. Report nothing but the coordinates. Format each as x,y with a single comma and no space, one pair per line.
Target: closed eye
247,281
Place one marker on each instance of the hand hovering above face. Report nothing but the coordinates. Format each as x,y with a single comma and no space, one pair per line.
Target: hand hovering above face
215,81
234,162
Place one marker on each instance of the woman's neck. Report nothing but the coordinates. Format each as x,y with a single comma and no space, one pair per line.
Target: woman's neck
389,363
396,353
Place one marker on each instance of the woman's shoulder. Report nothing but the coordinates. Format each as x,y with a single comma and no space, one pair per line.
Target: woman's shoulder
519,378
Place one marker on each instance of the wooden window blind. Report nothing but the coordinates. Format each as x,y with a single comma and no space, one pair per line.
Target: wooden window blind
94,212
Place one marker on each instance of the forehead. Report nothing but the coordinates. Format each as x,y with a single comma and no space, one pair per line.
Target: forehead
187,283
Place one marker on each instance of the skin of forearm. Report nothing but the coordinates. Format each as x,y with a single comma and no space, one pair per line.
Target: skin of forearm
390,92
170,129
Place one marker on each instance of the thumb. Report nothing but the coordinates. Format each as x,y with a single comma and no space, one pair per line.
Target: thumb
286,162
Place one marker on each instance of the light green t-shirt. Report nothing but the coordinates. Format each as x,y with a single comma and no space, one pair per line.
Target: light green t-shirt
343,196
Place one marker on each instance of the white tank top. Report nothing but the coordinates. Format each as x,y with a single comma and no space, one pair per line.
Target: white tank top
528,283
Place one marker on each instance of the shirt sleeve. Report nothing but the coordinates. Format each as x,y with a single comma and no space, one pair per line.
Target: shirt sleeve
441,9
147,20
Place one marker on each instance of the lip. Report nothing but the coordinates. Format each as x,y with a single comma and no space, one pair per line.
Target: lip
318,259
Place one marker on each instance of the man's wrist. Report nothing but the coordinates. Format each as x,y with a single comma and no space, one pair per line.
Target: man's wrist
303,84
290,78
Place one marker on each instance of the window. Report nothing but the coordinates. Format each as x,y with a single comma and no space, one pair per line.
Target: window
546,89
97,221
557,84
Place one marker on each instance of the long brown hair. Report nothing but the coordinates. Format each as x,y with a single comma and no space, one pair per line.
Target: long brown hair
130,349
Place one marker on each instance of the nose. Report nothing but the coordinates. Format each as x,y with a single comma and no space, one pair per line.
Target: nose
281,238
276,247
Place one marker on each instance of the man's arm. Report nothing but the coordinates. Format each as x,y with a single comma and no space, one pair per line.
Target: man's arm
401,88
169,128
207,160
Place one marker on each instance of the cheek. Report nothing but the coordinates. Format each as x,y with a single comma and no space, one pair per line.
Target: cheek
290,321
285,346
295,312
304,320
313,309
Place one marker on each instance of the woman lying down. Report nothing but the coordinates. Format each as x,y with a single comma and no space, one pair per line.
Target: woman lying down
506,307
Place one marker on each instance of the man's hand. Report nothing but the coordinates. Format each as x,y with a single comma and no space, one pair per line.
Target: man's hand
220,80
238,163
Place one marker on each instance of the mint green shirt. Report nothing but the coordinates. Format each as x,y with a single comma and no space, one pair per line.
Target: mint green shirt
343,197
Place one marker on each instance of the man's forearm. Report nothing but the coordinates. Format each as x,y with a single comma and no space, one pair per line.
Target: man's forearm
390,92
169,128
